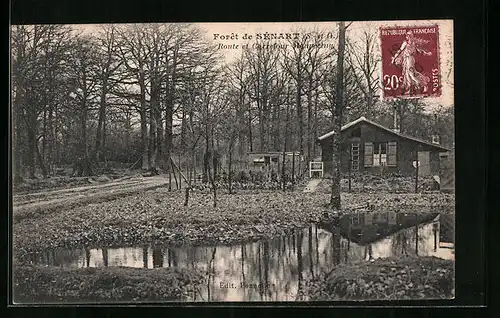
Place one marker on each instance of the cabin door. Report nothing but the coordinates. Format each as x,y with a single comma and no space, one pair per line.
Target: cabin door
425,164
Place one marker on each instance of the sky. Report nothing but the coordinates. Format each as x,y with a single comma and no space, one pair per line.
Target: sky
229,38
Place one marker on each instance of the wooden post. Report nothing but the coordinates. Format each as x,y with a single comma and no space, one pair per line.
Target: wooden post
188,187
293,170
180,172
349,236
300,165
175,177
416,239
349,171
434,229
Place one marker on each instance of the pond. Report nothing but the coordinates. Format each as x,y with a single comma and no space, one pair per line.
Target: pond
275,269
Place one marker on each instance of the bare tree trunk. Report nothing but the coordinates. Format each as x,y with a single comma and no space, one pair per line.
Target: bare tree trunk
87,169
152,146
309,119
169,113
315,123
212,181
241,132
283,176
293,171
51,140
42,154
180,172
31,134
57,155
144,124
300,114
188,186
152,132
16,133
274,127
170,87
160,145
250,137
337,120
173,172
104,132
230,168
100,122
206,164
128,127
263,126
41,162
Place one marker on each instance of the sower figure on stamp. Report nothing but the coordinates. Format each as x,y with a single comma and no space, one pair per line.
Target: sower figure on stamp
405,57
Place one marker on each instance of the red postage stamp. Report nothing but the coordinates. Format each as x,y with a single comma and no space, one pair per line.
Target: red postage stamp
410,62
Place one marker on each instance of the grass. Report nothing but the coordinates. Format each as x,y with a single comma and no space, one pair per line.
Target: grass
386,279
37,284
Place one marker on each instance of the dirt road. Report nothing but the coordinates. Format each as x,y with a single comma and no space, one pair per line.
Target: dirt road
84,194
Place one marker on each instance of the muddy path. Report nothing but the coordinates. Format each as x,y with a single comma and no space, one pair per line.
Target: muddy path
23,203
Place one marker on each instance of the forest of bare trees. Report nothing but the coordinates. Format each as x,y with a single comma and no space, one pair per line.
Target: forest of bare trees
162,97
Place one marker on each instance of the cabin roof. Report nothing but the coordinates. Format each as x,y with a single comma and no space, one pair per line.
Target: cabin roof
370,122
271,152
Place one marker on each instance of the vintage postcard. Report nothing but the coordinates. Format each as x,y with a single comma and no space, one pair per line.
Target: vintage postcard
233,162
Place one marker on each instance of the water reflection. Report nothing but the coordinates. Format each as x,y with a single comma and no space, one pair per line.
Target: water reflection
272,270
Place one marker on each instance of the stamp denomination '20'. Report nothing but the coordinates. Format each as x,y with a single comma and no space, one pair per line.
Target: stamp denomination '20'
410,62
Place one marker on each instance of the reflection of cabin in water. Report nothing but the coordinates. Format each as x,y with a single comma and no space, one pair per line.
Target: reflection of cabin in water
378,218
368,227
273,161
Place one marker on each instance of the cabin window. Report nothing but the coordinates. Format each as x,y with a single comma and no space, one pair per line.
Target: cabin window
267,160
274,159
258,161
380,154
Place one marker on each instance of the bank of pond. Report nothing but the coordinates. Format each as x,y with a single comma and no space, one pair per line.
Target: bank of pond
277,269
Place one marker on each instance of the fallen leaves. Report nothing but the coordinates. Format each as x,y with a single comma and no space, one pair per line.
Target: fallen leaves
142,218
411,278
158,216
387,183
35,284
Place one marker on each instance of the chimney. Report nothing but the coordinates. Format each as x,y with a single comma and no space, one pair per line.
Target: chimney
395,126
435,139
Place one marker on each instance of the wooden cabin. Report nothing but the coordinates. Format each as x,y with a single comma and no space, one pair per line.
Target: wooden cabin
367,146
273,161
